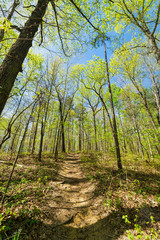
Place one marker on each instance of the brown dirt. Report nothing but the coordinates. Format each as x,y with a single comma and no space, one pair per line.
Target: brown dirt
74,209
73,205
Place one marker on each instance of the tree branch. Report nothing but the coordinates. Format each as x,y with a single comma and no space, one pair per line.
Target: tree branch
58,29
80,11
156,24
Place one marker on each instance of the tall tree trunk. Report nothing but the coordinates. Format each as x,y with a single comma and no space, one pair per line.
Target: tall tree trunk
115,134
36,128
25,133
31,138
13,142
104,129
123,134
55,137
82,126
139,137
12,63
80,135
41,140
43,123
63,136
19,151
95,131
150,148
144,100
57,142
73,140
62,125
69,138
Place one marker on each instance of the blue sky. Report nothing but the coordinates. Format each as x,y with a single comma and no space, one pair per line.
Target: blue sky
83,58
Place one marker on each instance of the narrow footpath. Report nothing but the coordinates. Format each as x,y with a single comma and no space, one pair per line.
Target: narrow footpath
73,210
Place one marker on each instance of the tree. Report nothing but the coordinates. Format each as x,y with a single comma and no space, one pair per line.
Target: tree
142,16
94,77
12,64
65,96
93,103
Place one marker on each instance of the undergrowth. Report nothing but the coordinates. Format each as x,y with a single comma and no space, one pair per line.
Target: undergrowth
134,194
26,195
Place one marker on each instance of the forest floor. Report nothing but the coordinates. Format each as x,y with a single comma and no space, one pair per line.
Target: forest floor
80,197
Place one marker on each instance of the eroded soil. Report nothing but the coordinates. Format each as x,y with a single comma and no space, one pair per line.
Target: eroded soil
74,210
73,207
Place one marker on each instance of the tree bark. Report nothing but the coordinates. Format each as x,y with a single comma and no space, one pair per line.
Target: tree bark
12,63
80,135
41,140
123,134
104,129
30,138
36,128
19,150
115,134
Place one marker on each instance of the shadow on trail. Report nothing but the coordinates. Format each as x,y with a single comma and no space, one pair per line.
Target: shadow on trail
109,228
137,181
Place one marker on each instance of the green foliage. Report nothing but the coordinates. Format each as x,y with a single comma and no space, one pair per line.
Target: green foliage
137,233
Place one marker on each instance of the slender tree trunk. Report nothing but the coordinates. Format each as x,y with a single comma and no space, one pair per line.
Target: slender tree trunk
8,131
104,129
154,47
57,142
144,100
150,148
115,134
13,61
139,137
36,128
19,150
31,138
72,143
156,90
62,125
82,126
26,129
69,138
13,141
55,137
18,131
80,135
41,140
63,136
95,131
123,134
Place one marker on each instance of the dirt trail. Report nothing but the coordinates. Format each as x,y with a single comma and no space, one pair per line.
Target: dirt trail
73,211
